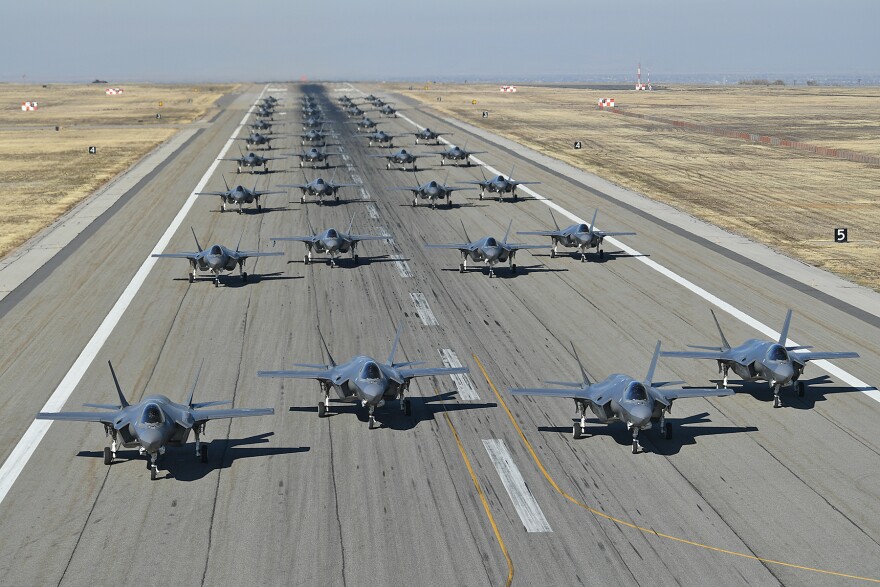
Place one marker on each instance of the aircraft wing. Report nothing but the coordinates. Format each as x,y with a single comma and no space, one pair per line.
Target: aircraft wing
103,418
525,182
177,255
345,185
431,371
302,239
716,355
459,246
367,237
670,394
301,186
246,254
201,415
804,357
603,233
543,232
270,192
320,375
212,193
581,392
482,183
519,246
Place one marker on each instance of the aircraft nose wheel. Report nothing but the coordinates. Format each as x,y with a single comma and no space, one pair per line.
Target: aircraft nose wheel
108,456
372,423
322,410
799,388
204,456
667,431
576,431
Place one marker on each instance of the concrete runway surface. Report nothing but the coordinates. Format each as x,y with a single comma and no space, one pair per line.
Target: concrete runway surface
475,487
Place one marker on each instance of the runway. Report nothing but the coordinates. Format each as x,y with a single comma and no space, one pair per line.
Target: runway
474,488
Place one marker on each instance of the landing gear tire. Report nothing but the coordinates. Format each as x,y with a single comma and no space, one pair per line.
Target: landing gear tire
576,431
601,254
513,268
552,254
356,259
192,278
667,432
777,403
244,277
635,446
799,388
372,422
152,473
204,456
108,456
306,260
322,410
407,407
302,200
217,282
461,268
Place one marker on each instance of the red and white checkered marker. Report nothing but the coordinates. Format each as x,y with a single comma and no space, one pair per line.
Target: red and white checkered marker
113,91
25,106
606,103
508,88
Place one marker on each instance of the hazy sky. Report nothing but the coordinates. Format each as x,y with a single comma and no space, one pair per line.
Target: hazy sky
118,40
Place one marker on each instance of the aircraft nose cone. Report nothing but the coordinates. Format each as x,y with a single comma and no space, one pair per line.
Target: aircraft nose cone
782,373
150,439
373,392
332,243
493,252
640,414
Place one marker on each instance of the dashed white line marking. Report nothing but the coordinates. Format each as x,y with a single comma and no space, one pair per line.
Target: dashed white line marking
830,368
402,266
382,231
372,211
463,382
26,447
528,509
423,309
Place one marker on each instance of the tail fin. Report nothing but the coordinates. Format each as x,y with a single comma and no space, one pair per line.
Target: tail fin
312,230
351,224
198,246
650,376
238,246
510,177
509,224
122,401
224,182
783,336
584,375
466,237
593,222
724,344
192,390
552,217
394,346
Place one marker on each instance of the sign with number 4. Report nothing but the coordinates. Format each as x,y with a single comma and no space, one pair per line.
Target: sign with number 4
577,145
93,150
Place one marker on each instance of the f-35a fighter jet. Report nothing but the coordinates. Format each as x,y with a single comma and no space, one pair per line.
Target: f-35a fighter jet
622,398
332,242
577,235
216,259
251,160
454,153
433,191
487,250
319,187
762,360
402,158
500,185
426,134
381,137
365,380
255,138
154,422
239,195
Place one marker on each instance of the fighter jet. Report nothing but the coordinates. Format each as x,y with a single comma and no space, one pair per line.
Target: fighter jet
256,138
266,112
313,122
487,250
314,156
354,110
216,259
364,123
365,380
381,137
155,422
251,160
433,191
454,153
389,110
577,235
319,187
270,100
761,360
500,185
311,112
426,134
239,195
622,398
331,241
259,125
344,99
316,136
402,158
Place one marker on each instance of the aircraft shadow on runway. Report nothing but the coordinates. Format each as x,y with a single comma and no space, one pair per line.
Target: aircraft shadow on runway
592,258
816,390
347,262
423,409
503,271
682,433
441,206
235,281
330,202
249,210
180,463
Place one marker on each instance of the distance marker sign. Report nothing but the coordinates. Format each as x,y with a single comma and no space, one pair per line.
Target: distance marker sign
841,235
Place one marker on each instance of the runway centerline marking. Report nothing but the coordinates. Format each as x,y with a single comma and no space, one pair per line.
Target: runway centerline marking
463,382
402,266
642,529
526,506
423,309
482,495
830,368
35,433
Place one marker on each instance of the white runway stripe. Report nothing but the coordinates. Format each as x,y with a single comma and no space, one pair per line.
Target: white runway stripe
463,382
424,311
528,509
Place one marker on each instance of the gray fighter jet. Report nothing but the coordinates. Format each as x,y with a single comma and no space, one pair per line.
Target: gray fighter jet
381,137
255,138
762,360
389,110
365,380
364,123
622,398
239,195
259,125
331,241
154,422
314,122
266,112
319,187
216,259
311,112
433,191
500,185
487,250
251,160
314,156
454,153
577,235
402,158
316,136
426,134
354,110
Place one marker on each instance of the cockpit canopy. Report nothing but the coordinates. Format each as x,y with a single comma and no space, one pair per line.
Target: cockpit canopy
216,250
777,352
152,415
432,184
583,228
491,242
332,233
635,391
371,371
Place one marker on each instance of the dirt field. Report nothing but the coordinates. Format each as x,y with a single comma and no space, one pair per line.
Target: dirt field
787,199
44,172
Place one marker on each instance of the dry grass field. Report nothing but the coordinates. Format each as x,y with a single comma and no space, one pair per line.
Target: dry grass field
44,172
788,199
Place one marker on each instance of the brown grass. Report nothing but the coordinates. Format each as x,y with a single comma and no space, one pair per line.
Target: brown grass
787,199
46,172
